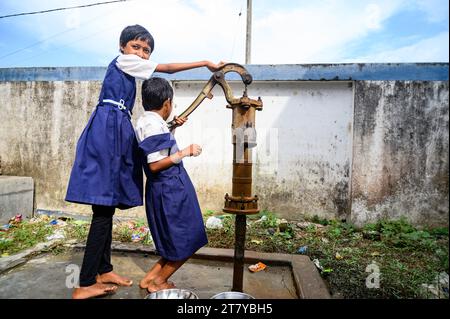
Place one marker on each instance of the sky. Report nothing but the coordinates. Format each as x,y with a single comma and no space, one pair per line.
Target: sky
283,31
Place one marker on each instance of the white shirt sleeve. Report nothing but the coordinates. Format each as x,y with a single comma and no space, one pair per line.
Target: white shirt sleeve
135,66
157,156
145,129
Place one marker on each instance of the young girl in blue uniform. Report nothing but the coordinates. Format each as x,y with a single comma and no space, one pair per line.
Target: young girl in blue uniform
107,172
171,204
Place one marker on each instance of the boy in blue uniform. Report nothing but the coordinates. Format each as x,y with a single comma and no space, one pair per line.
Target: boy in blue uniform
171,204
107,173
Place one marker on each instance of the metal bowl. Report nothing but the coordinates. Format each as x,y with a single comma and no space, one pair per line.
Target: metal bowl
232,295
173,293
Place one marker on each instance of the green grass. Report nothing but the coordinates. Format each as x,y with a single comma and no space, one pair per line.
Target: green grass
26,234
22,236
77,229
407,257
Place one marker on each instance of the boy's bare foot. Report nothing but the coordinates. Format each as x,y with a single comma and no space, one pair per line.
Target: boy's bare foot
95,290
143,284
153,286
113,278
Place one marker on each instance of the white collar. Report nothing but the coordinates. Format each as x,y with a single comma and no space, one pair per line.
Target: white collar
156,116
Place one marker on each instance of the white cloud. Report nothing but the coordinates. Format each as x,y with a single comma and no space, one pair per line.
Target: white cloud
319,32
182,31
434,49
435,10
315,32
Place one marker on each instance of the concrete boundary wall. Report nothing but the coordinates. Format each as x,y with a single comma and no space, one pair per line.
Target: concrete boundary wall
351,141
16,197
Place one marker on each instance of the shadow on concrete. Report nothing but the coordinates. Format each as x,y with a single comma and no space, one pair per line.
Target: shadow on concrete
49,276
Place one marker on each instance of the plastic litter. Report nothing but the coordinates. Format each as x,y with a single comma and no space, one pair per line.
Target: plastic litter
255,241
213,223
57,222
320,267
317,263
136,238
139,234
438,289
5,227
443,279
16,219
56,235
263,218
302,250
338,256
257,267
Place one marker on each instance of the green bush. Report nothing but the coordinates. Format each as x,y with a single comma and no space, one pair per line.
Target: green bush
400,233
270,221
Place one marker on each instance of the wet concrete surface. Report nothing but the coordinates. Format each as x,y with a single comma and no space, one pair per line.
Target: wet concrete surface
47,276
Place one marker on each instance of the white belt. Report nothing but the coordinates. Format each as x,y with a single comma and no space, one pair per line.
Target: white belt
120,105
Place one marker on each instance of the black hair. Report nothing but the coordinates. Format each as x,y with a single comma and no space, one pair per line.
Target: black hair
155,91
136,32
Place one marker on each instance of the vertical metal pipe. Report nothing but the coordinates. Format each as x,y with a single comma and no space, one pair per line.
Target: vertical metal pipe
242,186
239,249
248,41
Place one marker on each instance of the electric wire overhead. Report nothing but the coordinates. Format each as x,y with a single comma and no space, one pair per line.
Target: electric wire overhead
59,9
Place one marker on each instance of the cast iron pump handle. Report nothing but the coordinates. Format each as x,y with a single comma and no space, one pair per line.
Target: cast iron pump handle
219,78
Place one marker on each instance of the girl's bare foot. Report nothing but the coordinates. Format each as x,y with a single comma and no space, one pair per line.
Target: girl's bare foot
95,290
153,286
113,278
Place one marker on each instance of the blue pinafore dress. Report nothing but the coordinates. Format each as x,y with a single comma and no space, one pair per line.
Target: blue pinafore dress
107,170
173,212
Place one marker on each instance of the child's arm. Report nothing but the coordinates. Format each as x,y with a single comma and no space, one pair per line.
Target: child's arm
179,121
191,150
177,67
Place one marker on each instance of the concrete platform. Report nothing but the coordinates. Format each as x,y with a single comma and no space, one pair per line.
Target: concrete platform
210,272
